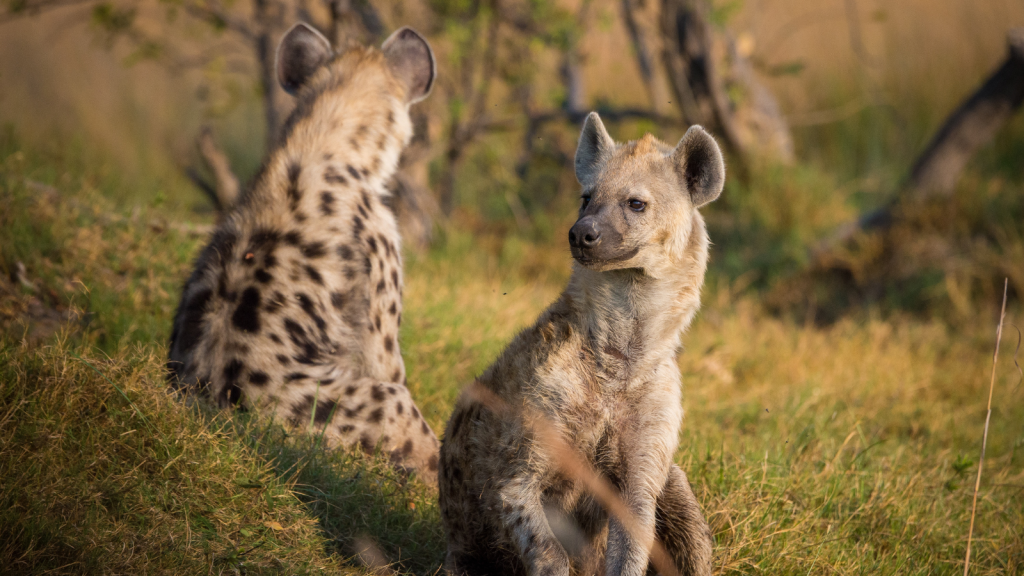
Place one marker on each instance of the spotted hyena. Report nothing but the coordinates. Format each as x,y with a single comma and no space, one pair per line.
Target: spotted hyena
600,367
295,304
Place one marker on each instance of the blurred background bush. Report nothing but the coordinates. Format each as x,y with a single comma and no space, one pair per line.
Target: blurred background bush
823,108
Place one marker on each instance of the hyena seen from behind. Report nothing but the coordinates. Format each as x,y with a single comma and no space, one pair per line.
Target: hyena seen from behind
295,304
599,367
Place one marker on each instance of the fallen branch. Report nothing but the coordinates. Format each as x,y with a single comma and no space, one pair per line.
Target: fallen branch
936,172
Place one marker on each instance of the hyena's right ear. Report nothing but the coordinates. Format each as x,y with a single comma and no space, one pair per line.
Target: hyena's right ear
300,53
594,149
411,59
698,162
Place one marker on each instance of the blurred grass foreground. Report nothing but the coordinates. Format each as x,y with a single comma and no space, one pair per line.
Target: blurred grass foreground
834,411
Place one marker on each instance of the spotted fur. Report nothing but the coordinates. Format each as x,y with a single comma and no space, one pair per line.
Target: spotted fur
600,367
295,304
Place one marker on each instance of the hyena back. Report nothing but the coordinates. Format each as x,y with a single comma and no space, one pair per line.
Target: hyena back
599,367
295,304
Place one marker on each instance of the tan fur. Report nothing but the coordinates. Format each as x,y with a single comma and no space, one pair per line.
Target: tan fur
294,306
600,365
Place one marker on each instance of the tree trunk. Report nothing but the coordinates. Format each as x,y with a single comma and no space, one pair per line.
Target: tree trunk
265,53
936,172
971,126
693,73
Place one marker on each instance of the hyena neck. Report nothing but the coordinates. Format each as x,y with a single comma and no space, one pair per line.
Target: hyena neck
360,141
636,314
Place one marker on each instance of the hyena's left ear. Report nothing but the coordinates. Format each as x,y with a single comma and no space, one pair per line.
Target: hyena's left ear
412,60
699,164
300,53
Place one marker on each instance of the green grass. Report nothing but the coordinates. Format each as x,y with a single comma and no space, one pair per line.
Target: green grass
845,449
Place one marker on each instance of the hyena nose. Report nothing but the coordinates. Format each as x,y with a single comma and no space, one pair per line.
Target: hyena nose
585,233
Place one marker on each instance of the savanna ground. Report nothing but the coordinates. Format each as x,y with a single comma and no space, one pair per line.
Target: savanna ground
820,439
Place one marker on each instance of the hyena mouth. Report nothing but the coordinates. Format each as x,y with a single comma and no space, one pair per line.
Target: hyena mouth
598,257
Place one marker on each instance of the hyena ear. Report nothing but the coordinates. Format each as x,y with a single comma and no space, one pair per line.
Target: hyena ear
412,60
699,164
594,149
300,53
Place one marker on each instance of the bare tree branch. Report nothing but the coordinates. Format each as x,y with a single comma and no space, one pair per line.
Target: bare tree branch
227,183
26,8
936,172
640,49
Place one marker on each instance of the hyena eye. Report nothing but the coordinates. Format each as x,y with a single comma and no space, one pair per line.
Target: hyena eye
637,205
586,202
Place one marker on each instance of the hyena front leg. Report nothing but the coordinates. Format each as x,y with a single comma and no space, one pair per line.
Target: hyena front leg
681,527
522,515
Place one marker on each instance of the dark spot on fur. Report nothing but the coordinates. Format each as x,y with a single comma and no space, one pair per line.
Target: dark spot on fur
295,376
396,376
259,378
377,393
310,309
294,194
345,253
353,172
352,413
262,276
424,427
337,300
366,444
611,351
407,447
380,286
432,463
372,243
399,408
284,360
247,316
331,176
314,275
389,344
376,321
275,338
326,203
350,390
231,394
350,273
314,250
362,212
293,237
376,416
192,320
394,278
393,309
346,428
367,265
357,226
324,409
415,412
276,303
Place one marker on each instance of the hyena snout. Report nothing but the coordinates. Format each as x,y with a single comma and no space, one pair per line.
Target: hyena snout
596,242
585,235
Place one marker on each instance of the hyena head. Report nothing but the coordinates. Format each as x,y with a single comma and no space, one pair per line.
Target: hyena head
403,68
640,199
